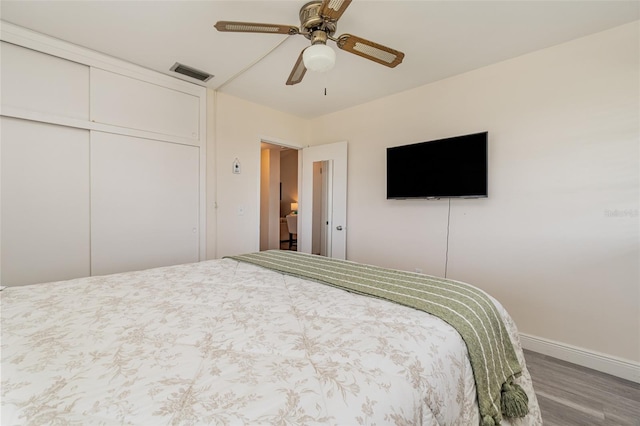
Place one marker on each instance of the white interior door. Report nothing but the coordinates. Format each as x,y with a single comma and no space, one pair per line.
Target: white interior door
336,155
144,203
45,202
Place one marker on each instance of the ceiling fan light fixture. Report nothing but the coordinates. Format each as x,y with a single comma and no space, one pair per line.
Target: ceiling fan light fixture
319,58
318,23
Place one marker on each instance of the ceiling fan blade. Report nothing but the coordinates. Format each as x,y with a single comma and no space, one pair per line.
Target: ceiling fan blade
370,50
298,71
333,9
255,27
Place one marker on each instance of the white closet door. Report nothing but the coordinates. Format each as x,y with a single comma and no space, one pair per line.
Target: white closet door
38,82
124,101
45,202
144,203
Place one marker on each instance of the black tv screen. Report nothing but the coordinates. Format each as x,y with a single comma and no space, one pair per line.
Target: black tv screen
451,167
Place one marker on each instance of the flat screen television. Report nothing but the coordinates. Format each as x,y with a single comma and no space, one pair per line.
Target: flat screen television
443,168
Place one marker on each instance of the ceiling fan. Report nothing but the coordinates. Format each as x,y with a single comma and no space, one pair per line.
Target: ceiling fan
318,23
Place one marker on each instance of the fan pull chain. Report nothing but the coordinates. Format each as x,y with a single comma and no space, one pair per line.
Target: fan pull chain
325,77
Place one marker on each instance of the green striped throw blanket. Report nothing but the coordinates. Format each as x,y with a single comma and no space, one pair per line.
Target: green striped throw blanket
466,308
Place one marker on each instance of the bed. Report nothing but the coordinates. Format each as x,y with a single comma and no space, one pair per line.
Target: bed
230,342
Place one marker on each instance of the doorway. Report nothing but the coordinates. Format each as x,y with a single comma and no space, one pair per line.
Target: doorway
279,201
278,196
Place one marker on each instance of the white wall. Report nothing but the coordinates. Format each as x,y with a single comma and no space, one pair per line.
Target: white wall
239,128
270,199
563,159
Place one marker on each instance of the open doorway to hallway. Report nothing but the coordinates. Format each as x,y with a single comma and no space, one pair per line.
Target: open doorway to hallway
278,197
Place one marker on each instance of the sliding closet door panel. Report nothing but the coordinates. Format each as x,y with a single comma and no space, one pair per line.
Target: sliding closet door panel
127,102
38,82
45,202
144,203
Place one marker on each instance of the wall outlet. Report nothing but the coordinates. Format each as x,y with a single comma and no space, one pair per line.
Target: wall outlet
418,271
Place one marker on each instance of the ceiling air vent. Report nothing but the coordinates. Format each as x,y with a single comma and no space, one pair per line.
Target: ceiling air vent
191,72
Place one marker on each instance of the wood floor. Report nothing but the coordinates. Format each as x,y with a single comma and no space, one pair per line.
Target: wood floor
573,395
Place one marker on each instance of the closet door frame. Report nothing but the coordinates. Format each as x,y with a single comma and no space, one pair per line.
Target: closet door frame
19,36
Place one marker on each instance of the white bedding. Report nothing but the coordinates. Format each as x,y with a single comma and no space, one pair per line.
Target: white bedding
222,342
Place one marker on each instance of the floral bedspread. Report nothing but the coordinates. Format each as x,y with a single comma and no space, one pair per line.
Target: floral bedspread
223,342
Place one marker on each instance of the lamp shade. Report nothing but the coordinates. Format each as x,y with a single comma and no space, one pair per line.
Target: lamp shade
319,57
294,207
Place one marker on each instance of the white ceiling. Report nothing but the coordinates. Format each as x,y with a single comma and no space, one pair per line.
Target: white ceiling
439,38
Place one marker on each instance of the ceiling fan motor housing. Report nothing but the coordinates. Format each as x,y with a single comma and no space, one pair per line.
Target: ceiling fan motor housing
312,22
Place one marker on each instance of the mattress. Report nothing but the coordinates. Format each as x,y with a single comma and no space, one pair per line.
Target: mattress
227,342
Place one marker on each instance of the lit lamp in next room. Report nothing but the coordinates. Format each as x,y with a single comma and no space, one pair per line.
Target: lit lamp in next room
294,208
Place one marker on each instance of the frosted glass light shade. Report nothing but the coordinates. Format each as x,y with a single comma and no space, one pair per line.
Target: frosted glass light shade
319,57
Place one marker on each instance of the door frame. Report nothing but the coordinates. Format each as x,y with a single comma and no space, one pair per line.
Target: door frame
279,142
332,151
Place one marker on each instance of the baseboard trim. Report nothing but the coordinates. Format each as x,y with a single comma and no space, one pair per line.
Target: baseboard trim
618,367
